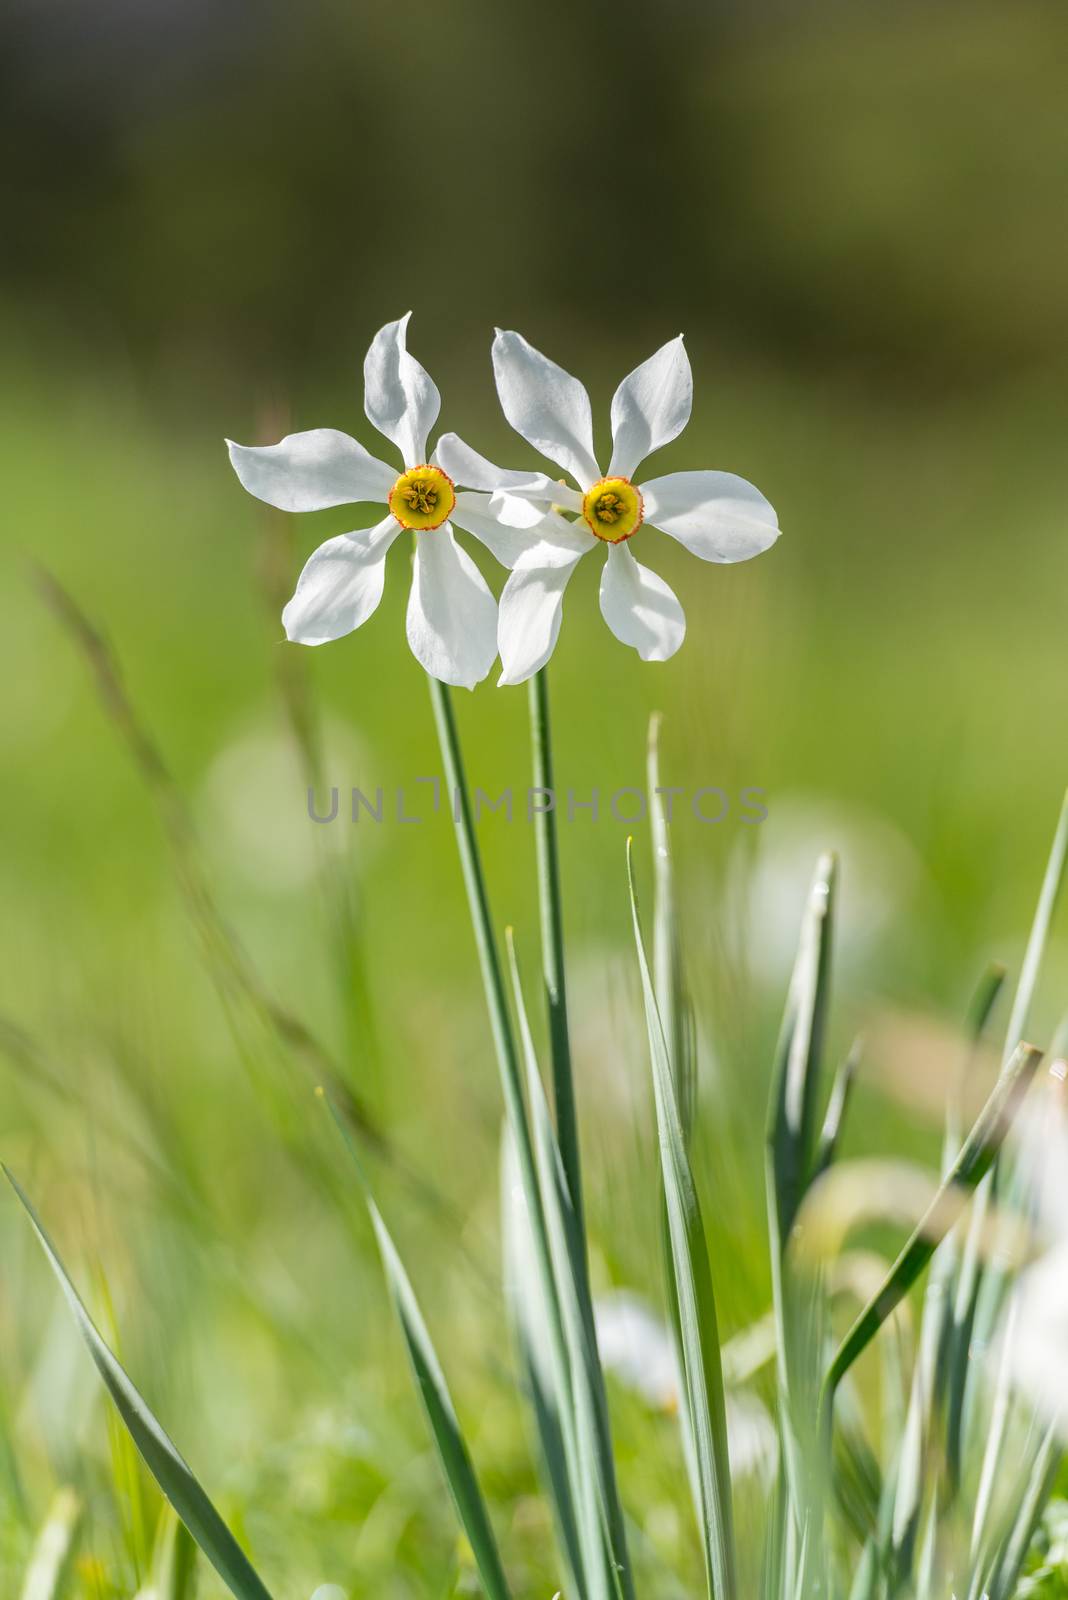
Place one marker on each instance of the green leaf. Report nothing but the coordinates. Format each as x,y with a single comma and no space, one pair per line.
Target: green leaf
174,1477
790,1165
795,1090
1000,1582
973,1162
933,1371
837,1106
696,1307
444,1425
669,982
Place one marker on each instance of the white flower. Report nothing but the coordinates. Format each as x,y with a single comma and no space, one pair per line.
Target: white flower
452,616
637,1347
1034,1332
718,516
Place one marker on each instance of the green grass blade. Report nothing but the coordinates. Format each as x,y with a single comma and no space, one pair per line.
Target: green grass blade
53,1549
160,1455
444,1424
951,1263
866,1577
177,1563
433,1389
696,1307
669,982
979,1293
933,1373
1052,884
126,1475
993,1453
996,1569
1040,1487
837,1106
973,1162
789,1167
795,1089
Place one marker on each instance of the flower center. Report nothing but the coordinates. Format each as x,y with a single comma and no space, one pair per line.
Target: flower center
613,509
422,498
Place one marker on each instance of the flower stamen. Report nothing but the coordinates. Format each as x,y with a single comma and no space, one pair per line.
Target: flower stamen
613,509
422,498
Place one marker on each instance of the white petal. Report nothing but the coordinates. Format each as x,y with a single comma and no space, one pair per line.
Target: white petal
452,617
651,407
310,471
400,398
558,542
548,540
545,404
515,512
639,607
477,514
717,515
465,466
532,604
340,586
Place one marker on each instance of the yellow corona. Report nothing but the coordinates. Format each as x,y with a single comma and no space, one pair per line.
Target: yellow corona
613,509
422,498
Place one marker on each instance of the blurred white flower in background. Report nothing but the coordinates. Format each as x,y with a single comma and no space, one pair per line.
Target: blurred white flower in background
715,515
1034,1331
637,1348
771,869
253,806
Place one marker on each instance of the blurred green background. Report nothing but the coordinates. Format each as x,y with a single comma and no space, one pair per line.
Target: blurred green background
856,215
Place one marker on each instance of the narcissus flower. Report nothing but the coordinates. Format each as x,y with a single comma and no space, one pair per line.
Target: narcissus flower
718,516
452,616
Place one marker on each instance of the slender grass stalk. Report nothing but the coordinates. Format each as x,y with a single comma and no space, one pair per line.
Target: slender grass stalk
228,962
702,1370
550,905
789,1157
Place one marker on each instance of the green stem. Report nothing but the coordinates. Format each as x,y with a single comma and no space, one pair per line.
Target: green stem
458,798
552,942
618,1577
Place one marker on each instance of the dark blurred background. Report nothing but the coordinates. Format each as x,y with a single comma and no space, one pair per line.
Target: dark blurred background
873,193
